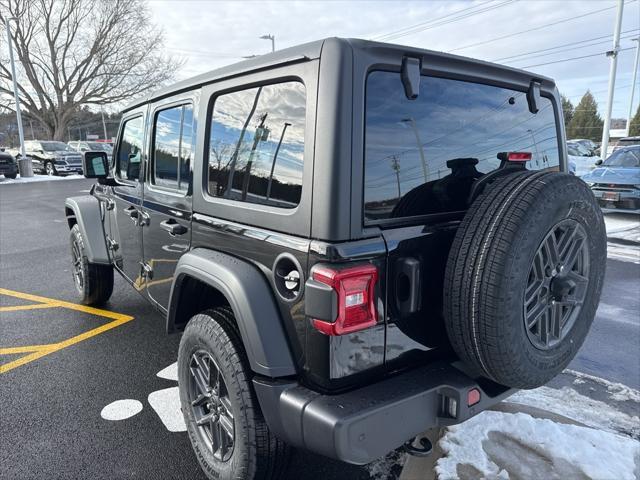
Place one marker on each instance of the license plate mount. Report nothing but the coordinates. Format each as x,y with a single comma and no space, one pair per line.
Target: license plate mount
611,196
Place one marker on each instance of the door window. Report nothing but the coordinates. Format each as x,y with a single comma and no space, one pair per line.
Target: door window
423,155
173,134
256,145
130,149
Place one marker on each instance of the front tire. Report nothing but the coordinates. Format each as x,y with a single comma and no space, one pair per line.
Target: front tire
50,169
94,282
225,424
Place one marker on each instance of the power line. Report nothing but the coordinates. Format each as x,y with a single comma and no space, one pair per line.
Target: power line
632,33
443,20
536,28
575,58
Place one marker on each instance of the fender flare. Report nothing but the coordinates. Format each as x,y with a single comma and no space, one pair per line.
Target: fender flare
252,302
87,214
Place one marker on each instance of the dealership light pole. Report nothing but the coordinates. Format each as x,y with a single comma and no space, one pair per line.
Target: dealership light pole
24,163
633,85
412,123
273,41
613,54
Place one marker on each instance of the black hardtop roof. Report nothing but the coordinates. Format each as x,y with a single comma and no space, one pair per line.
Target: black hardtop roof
311,51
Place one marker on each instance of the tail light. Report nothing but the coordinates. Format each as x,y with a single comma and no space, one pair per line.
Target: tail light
519,156
354,288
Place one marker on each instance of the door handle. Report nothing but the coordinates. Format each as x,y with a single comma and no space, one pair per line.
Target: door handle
173,227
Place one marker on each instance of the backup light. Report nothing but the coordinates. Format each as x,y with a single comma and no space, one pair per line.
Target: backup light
355,289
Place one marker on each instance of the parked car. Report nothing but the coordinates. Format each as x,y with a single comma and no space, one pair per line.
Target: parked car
626,142
8,165
88,146
581,158
52,157
340,285
616,182
590,145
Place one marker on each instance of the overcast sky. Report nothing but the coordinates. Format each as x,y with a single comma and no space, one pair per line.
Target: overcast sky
209,34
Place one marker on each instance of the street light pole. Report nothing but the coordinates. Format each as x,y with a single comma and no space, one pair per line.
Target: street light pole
275,157
104,125
24,163
612,79
633,85
411,121
273,41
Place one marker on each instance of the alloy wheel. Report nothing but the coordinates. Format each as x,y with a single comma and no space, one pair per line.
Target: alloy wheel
211,405
78,270
557,284
49,169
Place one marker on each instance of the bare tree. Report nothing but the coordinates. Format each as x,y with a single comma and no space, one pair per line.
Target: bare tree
81,52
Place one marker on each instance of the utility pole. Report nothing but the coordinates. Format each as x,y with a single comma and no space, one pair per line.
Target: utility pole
395,165
275,157
412,123
247,171
633,85
273,41
104,125
613,54
24,164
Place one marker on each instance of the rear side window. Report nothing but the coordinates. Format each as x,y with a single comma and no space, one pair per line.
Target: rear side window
256,145
173,130
130,149
423,155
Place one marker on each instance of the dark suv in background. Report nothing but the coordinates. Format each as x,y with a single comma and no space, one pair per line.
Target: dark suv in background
8,164
53,158
358,242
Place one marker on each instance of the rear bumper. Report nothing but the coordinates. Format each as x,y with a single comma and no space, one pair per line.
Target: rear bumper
365,424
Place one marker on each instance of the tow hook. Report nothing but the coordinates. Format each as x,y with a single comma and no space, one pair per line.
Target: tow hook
424,450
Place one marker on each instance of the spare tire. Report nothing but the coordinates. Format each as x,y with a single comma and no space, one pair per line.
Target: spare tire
524,277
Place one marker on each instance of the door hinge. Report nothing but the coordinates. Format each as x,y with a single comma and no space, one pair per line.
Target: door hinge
146,271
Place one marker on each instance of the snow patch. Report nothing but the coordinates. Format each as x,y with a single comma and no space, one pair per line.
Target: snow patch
166,403
38,178
505,445
618,391
569,403
121,409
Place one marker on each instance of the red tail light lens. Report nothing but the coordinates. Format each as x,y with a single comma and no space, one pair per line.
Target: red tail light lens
519,156
473,396
355,289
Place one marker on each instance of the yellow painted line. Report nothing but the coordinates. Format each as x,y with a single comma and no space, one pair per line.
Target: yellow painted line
117,319
34,306
24,349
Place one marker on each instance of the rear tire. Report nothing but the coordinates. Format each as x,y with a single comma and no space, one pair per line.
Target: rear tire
94,282
524,277
254,452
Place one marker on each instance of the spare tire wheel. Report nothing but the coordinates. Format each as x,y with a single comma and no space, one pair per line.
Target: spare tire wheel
524,277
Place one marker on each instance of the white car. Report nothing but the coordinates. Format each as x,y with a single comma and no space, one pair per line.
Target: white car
581,161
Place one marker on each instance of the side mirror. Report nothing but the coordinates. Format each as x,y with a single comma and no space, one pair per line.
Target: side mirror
95,165
599,161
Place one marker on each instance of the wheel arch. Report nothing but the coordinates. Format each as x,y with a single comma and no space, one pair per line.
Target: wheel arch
85,212
226,280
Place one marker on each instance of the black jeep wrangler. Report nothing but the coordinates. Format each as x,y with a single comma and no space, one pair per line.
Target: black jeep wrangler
358,242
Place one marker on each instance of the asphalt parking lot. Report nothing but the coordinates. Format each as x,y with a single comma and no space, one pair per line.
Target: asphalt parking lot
61,364
50,421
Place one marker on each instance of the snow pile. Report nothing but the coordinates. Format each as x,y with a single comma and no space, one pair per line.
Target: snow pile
594,413
508,446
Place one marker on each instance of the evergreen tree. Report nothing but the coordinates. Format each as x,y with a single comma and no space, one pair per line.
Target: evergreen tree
567,110
634,130
586,123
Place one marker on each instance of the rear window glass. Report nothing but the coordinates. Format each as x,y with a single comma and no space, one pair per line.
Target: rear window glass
256,145
423,155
